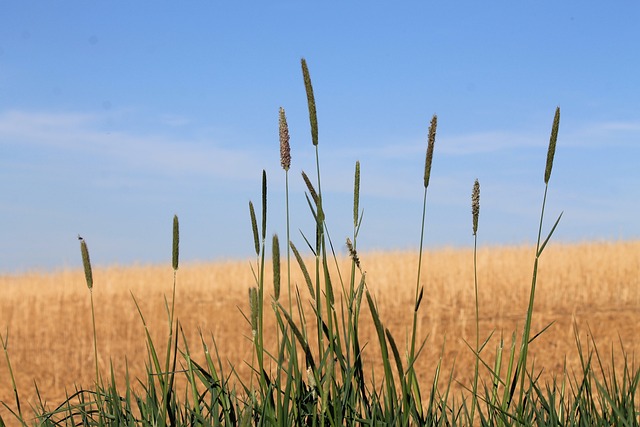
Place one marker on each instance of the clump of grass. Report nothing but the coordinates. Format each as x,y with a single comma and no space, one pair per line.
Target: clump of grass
315,372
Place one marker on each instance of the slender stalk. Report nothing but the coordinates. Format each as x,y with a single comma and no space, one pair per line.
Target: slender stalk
175,262
475,212
522,364
320,247
261,282
285,162
286,178
412,380
86,263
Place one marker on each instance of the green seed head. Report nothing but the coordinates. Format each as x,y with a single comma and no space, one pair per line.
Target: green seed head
264,205
312,190
430,144
276,267
86,263
475,205
176,243
285,148
254,227
356,195
303,267
253,305
552,146
313,118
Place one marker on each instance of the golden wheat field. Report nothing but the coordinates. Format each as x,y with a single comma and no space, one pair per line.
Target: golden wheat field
595,286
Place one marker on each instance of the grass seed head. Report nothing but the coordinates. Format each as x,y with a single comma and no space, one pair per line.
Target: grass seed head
353,253
253,306
356,194
475,205
264,205
285,148
303,268
312,190
313,118
176,243
86,263
311,381
430,145
254,227
552,146
276,267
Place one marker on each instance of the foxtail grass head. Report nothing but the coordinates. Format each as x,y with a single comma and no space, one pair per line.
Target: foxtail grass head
552,145
176,243
285,148
313,117
430,145
86,263
475,205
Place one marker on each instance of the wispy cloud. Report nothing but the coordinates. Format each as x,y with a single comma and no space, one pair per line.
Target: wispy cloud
91,135
164,150
454,144
473,143
620,133
484,142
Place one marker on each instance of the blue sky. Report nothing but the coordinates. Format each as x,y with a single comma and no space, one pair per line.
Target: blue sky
114,116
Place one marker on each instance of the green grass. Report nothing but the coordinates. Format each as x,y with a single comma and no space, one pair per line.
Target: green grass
316,375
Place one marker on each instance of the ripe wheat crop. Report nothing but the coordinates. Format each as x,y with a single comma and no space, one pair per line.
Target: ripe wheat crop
595,285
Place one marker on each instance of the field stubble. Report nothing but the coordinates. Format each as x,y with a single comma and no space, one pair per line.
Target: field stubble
595,285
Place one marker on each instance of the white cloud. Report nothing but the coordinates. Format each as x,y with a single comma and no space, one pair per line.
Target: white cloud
617,126
390,168
472,143
484,142
90,135
605,133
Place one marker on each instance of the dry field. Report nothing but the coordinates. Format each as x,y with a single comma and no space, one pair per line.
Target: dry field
595,285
